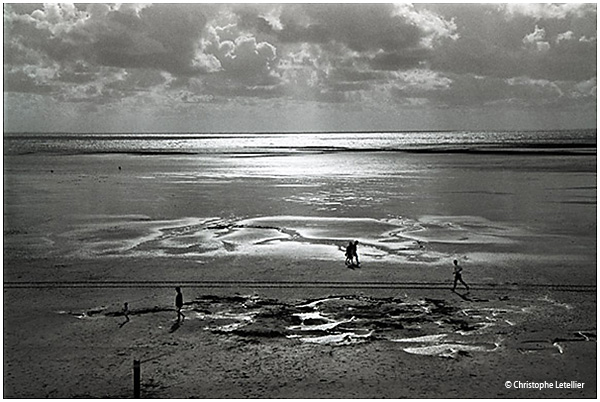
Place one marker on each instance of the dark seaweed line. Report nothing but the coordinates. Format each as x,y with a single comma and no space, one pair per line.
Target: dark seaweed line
289,284
548,150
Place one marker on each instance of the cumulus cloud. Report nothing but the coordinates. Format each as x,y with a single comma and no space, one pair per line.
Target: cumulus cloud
546,10
587,88
434,54
536,39
569,35
434,28
158,36
495,43
393,36
244,57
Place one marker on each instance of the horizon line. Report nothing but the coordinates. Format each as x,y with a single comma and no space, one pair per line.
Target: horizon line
294,132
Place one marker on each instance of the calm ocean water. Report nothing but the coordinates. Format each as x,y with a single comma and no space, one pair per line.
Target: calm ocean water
567,141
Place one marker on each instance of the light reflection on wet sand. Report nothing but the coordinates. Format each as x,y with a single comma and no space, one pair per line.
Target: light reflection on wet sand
419,326
393,239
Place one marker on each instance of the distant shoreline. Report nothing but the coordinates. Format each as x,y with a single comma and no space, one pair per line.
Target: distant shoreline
558,143
341,132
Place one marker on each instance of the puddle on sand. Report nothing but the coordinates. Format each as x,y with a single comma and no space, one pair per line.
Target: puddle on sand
393,239
419,326
348,338
449,349
422,339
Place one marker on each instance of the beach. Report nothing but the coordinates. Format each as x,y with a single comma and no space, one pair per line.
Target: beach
256,242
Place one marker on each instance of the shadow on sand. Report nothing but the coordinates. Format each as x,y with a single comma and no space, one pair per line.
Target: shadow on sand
468,297
175,326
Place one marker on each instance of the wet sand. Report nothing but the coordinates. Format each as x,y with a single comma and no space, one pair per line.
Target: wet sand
271,310
297,341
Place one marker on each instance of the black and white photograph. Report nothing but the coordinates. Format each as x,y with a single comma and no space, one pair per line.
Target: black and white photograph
300,200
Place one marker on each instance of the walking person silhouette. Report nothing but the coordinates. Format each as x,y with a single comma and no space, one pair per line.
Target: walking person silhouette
179,304
125,312
355,252
351,254
458,276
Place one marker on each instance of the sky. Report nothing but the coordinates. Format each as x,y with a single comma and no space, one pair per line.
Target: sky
257,67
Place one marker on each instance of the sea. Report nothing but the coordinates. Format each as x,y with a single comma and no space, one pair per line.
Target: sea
565,141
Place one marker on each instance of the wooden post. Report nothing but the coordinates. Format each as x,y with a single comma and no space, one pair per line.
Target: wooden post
136,379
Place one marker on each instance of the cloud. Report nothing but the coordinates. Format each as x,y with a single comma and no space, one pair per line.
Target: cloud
549,11
139,80
160,36
569,35
364,27
478,92
317,45
17,80
101,53
497,42
536,39
392,36
244,58
440,55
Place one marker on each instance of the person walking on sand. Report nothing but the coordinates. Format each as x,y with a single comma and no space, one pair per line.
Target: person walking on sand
125,312
179,304
458,276
355,252
349,253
